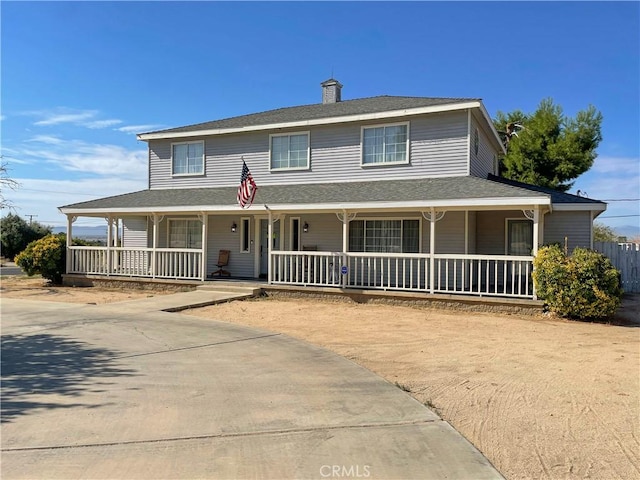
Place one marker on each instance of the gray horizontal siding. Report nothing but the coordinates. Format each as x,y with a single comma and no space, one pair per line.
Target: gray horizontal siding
222,238
490,231
450,233
576,226
134,232
481,163
438,148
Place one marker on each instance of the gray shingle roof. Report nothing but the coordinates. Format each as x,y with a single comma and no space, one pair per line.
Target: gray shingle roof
556,196
384,103
382,191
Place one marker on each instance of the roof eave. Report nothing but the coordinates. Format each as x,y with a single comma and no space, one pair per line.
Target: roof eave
455,204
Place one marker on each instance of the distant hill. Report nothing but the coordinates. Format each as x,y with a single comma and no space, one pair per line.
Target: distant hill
629,231
93,233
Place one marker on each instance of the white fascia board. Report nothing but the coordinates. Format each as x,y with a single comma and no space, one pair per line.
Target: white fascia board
461,204
583,207
318,121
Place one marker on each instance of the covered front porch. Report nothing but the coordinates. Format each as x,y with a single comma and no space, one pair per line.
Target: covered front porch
433,251
454,235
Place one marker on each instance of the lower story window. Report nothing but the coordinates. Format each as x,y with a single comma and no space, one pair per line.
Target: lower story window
387,236
185,234
519,237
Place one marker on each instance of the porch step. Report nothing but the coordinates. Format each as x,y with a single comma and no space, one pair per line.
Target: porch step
232,287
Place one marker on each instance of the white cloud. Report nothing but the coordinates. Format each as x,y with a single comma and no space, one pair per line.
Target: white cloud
64,115
622,166
137,128
48,139
102,123
42,198
88,158
3,117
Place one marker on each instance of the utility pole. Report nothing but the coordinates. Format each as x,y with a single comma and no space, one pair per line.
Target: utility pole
31,218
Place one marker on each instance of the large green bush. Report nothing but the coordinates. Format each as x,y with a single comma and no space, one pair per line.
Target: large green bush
584,285
46,257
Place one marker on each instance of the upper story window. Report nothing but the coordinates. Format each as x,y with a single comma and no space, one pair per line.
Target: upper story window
187,158
290,151
385,145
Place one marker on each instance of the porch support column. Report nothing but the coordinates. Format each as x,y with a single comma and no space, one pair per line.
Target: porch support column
269,244
109,243
433,216
345,248
205,229
345,217
536,230
70,220
536,240
154,246
432,250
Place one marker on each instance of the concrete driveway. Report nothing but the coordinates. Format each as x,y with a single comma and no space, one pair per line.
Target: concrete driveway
117,392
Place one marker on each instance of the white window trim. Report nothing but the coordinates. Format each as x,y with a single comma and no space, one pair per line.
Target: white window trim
385,164
199,174
394,218
178,219
506,230
289,134
244,220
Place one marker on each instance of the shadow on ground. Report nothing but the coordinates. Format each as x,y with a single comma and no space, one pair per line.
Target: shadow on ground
38,366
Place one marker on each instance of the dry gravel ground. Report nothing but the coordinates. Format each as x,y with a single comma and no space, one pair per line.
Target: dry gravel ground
35,288
540,397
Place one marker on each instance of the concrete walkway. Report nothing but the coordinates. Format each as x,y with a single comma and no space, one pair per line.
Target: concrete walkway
126,391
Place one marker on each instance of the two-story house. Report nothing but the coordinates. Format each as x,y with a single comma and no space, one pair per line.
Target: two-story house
394,193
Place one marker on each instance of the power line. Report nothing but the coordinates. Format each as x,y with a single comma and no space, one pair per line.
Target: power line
621,200
54,191
620,216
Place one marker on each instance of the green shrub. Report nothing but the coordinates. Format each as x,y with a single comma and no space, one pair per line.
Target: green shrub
46,257
584,285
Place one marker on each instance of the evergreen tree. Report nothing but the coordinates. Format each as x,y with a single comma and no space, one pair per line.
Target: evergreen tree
546,148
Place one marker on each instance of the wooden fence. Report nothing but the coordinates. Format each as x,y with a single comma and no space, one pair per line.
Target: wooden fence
626,258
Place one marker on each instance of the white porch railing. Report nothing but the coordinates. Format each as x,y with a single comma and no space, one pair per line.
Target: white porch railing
483,275
175,263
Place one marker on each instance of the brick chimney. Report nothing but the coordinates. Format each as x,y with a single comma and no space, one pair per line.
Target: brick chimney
331,91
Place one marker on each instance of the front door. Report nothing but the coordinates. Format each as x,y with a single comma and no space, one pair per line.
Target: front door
264,244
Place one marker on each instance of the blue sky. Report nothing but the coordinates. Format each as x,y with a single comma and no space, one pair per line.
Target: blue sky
80,79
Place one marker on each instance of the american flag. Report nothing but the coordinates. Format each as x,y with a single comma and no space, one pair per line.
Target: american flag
247,188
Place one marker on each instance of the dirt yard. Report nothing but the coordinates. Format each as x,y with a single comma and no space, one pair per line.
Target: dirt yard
35,288
540,397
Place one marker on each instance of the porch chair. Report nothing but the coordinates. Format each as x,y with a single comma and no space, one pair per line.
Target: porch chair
223,261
